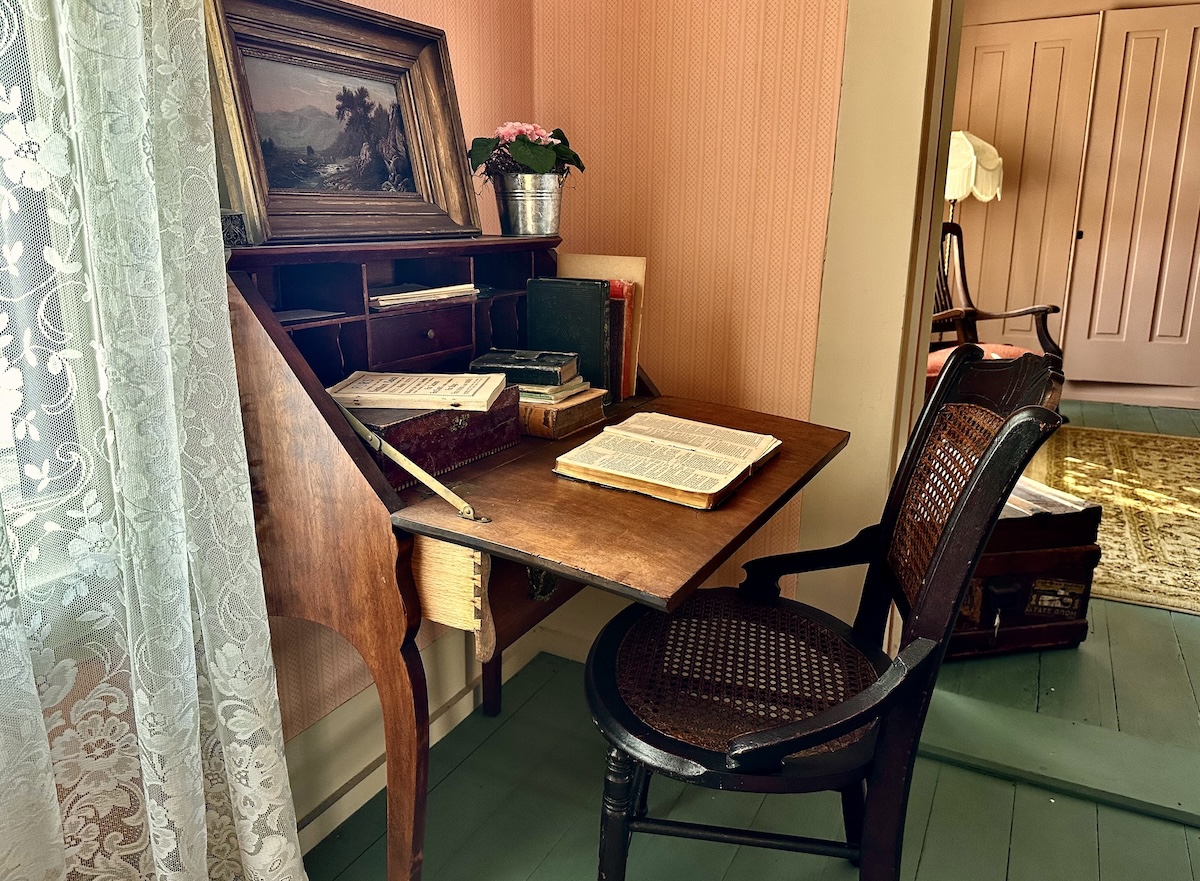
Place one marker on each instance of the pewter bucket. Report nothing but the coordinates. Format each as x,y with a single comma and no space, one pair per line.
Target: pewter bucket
528,203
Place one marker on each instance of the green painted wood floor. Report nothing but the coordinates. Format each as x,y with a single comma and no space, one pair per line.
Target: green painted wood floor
517,797
1123,417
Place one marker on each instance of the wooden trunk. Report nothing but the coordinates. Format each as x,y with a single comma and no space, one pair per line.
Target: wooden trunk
1032,586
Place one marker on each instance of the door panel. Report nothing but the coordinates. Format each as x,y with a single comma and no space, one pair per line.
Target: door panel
1133,295
1024,86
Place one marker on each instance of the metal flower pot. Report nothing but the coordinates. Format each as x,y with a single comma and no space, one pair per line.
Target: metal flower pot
528,203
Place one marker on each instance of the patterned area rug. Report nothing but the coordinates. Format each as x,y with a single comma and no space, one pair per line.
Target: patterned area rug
1149,486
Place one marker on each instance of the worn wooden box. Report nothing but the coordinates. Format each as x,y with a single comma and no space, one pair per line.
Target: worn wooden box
1032,586
439,440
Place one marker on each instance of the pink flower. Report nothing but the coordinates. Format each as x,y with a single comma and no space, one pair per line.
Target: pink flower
508,133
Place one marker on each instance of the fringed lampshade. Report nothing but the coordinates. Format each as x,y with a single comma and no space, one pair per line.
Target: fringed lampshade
974,169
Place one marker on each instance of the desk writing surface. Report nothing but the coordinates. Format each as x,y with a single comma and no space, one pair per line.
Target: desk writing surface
641,547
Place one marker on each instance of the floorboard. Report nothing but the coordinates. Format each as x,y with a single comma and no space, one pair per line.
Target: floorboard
916,824
1193,842
1077,684
520,802
1007,680
512,757
1154,694
1134,848
455,747
338,850
1170,420
1099,415
1131,418
1053,836
969,828
1187,632
655,857
817,815
522,831
1073,411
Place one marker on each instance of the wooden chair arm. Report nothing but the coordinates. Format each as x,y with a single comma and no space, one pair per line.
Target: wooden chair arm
763,574
1046,309
1040,315
954,314
765,750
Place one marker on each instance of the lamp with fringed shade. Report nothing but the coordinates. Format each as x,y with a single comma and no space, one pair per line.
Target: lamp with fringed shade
974,169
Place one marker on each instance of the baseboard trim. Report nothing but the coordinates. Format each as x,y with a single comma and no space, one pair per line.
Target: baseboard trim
1187,397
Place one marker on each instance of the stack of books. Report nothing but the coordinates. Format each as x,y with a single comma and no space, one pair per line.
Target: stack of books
555,399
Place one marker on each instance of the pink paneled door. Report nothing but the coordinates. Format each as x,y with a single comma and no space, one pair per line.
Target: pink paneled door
1133,296
1023,86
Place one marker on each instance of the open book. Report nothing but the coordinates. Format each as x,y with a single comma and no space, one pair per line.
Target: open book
689,463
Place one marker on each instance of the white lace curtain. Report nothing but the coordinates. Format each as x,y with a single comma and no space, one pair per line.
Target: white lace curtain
139,725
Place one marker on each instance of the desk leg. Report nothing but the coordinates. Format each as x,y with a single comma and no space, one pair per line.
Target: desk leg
492,678
405,704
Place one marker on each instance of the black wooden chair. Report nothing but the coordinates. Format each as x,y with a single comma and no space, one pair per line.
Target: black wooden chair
741,689
955,313
954,310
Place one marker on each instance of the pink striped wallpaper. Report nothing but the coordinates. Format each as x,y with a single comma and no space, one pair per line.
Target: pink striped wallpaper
708,132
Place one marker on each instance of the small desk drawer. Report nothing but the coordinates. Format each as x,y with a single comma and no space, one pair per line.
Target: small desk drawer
420,334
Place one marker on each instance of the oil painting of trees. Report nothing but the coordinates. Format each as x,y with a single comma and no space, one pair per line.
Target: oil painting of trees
323,131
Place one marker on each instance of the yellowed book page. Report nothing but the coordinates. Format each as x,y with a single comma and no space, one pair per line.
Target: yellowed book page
744,446
654,462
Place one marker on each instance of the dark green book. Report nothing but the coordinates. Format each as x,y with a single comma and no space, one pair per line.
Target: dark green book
572,315
529,367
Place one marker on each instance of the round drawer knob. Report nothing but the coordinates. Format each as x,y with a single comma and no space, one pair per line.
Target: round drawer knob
429,334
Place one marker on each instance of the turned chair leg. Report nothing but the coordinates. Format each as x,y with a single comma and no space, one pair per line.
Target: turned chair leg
614,816
853,809
641,790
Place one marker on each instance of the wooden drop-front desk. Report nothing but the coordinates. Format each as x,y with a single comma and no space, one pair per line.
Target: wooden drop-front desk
340,547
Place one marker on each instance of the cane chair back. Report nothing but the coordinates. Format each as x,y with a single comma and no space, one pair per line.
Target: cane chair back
967,409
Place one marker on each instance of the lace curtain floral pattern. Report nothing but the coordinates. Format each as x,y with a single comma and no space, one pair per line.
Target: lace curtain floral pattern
139,724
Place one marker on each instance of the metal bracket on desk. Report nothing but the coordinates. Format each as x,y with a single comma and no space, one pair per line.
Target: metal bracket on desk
542,584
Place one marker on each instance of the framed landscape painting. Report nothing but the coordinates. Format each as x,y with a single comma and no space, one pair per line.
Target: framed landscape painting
336,123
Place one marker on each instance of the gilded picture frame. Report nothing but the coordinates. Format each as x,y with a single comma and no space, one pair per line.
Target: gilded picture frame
336,123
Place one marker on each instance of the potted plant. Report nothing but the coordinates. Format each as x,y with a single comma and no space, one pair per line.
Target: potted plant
527,166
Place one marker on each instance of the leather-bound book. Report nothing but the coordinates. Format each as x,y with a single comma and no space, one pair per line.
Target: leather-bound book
439,440
572,315
527,367
566,417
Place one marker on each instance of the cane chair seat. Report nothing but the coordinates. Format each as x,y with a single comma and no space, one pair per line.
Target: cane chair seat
720,667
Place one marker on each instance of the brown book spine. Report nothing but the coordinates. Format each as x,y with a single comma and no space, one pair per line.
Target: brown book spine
555,421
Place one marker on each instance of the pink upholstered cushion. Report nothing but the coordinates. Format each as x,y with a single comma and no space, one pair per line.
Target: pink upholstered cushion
937,359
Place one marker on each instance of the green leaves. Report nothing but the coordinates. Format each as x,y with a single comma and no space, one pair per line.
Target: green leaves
481,149
563,151
523,155
538,157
